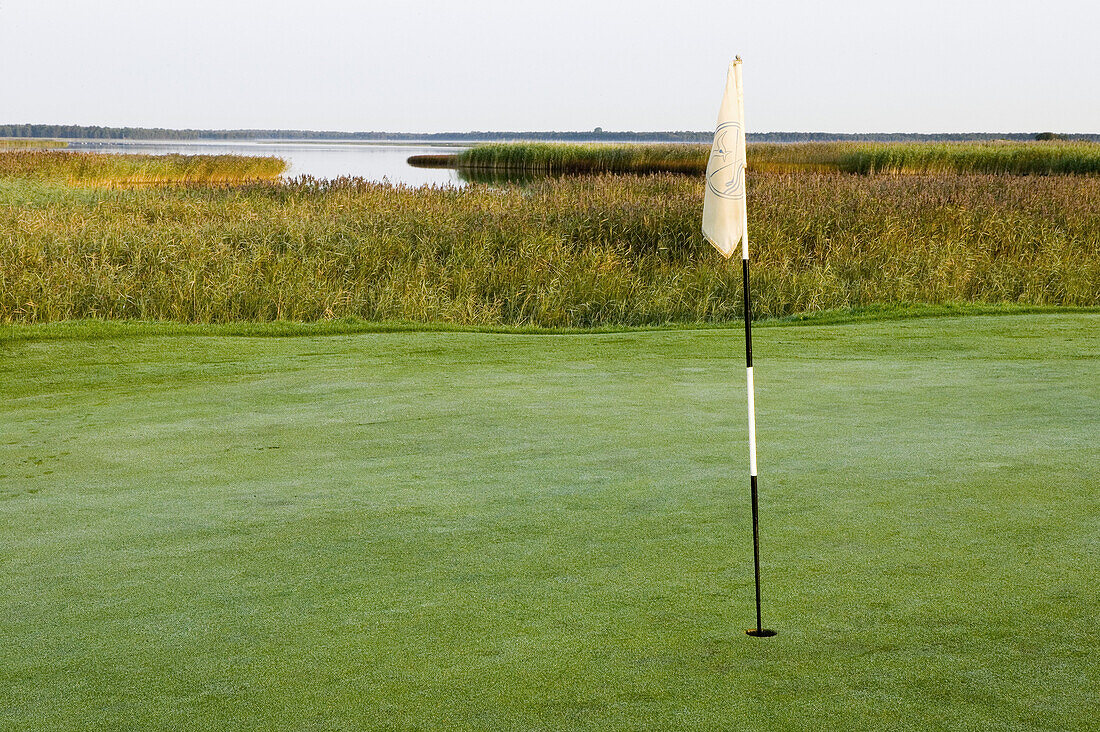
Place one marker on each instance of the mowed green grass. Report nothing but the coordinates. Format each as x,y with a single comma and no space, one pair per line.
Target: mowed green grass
479,530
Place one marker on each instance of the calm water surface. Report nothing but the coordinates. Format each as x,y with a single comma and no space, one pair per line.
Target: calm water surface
326,159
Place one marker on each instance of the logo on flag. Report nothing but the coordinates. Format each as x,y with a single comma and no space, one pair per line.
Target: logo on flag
726,168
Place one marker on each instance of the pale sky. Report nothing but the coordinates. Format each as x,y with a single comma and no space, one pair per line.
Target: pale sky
433,66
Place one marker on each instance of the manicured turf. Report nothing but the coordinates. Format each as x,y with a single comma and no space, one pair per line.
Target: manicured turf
485,530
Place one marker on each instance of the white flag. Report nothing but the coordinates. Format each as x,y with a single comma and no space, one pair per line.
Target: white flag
724,214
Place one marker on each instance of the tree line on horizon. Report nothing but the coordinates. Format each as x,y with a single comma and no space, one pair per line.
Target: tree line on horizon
95,132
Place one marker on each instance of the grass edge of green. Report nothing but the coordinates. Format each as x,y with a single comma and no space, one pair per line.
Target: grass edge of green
91,329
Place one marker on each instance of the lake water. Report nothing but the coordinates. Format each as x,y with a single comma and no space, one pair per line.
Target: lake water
323,159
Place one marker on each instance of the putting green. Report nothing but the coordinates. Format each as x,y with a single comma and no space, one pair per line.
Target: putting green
552,531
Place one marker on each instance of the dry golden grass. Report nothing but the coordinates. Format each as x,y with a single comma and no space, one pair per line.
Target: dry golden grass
599,250
97,169
29,143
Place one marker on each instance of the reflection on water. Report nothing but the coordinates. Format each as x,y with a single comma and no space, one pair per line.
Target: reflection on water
326,159
500,177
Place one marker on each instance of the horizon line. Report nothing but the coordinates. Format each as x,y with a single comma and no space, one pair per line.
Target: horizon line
593,131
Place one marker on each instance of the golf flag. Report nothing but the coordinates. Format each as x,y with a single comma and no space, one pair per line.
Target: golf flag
724,212
726,222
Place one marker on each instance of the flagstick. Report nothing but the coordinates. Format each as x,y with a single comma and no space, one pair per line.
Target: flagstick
759,631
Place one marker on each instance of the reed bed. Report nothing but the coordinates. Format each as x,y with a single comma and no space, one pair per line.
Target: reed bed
433,161
29,143
565,252
104,170
1000,158
994,158
551,158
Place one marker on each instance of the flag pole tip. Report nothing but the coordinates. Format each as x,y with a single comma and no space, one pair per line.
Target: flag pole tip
762,633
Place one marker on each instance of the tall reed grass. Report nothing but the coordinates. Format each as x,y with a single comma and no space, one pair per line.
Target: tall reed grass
590,251
552,158
29,143
1002,158
96,169
433,161
996,158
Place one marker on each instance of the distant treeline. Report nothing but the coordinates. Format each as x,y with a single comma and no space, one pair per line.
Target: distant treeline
160,133
596,135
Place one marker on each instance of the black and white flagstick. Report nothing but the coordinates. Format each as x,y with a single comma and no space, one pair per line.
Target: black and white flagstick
759,631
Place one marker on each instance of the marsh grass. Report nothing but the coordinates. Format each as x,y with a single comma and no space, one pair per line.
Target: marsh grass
1001,158
569,252
96,169
29,143
996,158
433,161
554,158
